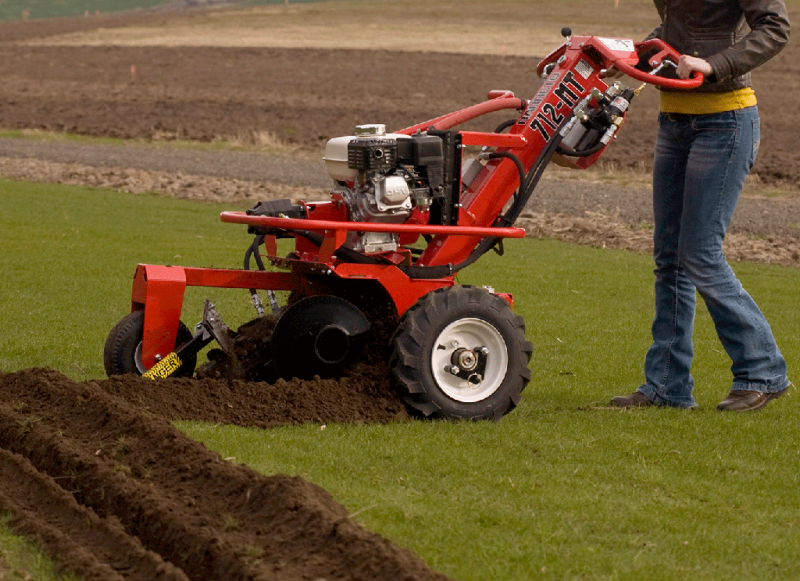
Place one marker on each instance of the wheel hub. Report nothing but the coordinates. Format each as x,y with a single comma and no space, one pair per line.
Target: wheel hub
469,365
465,359
470,360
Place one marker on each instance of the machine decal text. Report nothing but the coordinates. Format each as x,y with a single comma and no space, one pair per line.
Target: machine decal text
548,120
165,367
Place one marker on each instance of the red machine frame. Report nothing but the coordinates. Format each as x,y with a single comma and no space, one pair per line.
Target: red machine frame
570,74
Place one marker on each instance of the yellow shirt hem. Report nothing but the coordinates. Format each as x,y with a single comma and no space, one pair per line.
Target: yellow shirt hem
691,103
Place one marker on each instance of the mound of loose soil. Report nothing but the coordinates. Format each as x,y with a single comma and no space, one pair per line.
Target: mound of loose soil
364,395
96,474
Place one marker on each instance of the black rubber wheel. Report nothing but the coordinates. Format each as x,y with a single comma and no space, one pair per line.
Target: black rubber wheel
461,353
123,350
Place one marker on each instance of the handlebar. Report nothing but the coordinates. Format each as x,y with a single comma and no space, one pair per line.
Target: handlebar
624,55
665,55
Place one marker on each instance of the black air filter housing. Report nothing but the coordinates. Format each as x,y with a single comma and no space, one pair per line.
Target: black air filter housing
428,150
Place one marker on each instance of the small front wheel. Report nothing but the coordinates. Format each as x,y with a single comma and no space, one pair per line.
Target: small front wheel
123,350
461,353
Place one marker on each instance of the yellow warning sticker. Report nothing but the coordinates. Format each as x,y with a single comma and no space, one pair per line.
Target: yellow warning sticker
164,368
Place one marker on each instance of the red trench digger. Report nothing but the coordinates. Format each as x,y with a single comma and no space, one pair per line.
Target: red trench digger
407,211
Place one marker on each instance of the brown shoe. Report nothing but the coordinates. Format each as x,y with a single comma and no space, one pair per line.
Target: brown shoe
636,400
745,400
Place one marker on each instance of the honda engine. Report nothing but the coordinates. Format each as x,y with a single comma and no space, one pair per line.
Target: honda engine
384,177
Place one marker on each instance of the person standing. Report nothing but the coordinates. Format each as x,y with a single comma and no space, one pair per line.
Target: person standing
707,142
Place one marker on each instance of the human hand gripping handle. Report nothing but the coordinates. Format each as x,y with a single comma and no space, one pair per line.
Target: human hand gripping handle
688,65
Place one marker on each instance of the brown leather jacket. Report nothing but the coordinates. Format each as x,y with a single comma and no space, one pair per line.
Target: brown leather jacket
733,36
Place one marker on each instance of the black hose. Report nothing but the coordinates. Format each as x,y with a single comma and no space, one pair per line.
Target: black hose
517,162
505,125
532,179
583,153
537,170
251,251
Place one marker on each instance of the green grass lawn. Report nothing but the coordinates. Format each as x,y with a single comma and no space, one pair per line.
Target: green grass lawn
36,9
562,488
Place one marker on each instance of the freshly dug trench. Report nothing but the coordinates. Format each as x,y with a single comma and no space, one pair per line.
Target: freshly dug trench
114,491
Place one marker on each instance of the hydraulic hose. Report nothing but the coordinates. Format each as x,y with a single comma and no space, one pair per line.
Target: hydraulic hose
519,203
252,251
532,181
508,155
505,125
517,162
582,153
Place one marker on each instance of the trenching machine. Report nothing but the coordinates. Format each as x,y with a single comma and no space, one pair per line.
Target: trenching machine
407,211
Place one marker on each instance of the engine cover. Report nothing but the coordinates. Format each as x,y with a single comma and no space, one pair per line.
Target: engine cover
392,193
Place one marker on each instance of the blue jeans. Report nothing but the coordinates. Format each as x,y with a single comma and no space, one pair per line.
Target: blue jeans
701,162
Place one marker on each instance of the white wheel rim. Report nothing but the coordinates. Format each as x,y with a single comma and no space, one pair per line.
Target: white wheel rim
470,334
137,359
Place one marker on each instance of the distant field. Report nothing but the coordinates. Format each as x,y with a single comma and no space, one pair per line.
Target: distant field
37,9
502,27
